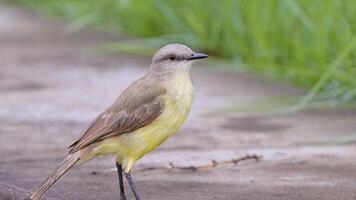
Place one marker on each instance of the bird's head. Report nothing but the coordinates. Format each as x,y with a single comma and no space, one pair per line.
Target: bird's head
173,58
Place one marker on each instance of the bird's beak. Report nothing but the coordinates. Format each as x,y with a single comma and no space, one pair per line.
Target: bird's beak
195,56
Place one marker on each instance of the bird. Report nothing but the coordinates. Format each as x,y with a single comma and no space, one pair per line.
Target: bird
143,116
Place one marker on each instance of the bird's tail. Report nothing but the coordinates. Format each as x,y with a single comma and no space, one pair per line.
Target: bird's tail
67,163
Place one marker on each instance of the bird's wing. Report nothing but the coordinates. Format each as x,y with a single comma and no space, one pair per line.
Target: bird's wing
139,105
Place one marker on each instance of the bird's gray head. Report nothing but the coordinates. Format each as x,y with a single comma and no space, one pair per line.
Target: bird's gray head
174,57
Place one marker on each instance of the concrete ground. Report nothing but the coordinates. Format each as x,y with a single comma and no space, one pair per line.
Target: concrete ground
52,84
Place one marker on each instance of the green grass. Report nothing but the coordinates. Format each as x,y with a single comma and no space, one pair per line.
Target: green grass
311,43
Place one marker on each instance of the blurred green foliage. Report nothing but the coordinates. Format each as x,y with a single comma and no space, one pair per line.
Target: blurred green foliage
312,43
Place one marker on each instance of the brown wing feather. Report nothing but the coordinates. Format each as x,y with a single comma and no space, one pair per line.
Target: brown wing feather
139,105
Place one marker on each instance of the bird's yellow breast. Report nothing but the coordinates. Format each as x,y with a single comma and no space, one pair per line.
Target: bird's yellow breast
129,147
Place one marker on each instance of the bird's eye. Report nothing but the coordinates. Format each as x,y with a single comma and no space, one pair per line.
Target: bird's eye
172,57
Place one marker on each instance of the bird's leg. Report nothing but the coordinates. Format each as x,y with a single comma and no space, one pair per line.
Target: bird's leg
121,182
132,185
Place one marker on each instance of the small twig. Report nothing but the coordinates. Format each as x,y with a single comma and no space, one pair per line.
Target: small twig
210,165
213,164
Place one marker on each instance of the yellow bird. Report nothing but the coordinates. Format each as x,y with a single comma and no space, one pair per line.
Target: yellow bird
148,112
